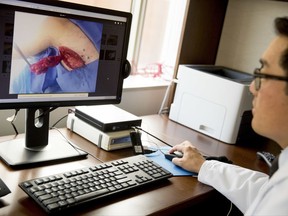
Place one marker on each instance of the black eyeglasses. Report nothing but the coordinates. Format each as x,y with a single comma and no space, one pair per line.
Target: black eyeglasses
257,78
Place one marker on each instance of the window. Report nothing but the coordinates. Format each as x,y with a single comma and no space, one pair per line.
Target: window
156,33
123,5
158,37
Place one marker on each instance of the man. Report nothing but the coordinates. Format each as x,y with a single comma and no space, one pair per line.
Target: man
255,193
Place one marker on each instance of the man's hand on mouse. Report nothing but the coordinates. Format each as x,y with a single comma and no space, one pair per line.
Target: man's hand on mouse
192,159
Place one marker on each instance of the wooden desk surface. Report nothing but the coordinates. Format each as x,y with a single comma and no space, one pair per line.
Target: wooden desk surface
166,198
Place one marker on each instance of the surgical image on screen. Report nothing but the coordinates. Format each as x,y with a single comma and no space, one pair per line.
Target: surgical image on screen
54,54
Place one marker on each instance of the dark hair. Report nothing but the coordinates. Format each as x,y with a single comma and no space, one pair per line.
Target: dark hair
281,27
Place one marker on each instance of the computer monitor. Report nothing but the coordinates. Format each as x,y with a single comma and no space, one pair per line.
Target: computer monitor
55,54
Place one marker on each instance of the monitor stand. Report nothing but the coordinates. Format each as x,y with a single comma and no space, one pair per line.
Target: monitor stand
40,145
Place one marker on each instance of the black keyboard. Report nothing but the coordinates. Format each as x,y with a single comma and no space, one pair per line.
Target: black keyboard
64,191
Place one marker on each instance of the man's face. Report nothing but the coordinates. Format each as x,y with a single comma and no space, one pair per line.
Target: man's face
270,104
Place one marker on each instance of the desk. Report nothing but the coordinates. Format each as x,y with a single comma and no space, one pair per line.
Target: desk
174,196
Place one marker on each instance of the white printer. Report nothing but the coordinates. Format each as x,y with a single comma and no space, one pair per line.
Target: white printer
215,101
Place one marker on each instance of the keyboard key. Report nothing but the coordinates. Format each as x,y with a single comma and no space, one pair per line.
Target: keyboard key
91,195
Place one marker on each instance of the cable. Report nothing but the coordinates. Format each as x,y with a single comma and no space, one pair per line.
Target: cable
75,147
230,209
166,95
153,136
223,159
69,111
150,151
204,154
46,112
12,118
67,140
59,120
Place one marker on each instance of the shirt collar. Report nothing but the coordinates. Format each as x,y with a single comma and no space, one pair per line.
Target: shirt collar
283,157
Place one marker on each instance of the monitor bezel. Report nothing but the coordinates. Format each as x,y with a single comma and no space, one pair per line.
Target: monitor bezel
95,100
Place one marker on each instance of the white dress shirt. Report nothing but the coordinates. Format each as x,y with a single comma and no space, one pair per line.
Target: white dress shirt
254,193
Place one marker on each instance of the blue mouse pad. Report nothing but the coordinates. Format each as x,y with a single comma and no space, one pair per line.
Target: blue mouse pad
160,159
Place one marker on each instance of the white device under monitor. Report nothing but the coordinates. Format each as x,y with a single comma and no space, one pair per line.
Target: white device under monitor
106,140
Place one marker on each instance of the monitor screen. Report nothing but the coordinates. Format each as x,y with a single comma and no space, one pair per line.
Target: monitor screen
55,54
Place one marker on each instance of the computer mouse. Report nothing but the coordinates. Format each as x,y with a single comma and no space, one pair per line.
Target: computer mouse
170,156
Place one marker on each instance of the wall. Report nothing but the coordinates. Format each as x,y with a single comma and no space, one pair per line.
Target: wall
202,32
247,31
139,101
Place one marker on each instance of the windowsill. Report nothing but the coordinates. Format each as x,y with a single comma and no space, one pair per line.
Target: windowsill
138,81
